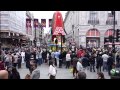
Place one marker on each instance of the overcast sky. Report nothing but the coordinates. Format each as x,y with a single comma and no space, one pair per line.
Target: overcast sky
46,15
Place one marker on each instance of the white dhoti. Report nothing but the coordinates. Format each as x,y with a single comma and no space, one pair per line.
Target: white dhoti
23,58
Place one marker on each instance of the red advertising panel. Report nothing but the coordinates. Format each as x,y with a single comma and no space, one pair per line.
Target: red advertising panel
28,27
43,22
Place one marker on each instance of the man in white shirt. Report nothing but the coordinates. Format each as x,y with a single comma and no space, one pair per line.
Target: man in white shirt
23,56
105,58
79,66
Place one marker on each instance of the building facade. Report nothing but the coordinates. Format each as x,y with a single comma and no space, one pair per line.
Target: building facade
90,28
12,27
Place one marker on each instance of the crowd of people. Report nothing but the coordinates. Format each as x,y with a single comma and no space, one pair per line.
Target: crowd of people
93,59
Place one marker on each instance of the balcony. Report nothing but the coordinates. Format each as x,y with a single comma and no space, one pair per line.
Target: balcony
110,22
93,22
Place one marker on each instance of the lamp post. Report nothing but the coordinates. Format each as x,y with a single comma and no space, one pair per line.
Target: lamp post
61,42
113,42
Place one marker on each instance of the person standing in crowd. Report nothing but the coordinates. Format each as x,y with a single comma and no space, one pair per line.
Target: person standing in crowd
49,58
79,67
35,72
44,56
118,60
75,60
23,56
60,60
100,75
81,75
99,61
15,62
85,61
15,74
68,59
110,63
92,62
57,53
40,57
3,74
105,58
19,61
2,66
27,59
52,71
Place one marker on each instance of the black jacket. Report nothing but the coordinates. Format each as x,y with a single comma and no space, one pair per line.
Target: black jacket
85,61
99,61
110,61
92,60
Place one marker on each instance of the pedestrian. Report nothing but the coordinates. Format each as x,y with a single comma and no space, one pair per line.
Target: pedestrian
40,61
92,62
3,74
44,56
27,59
85,61
81,75
105,58
100,75
57,53
75,60
110,63
60,60
49,58
79,66
35,71
23,56
15,62
2,66
118,60
52,71
15,73
19,61
99,61
68,59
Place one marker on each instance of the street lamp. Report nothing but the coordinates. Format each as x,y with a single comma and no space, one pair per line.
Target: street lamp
113,42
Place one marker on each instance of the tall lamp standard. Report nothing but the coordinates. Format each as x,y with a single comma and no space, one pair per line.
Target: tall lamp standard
113,42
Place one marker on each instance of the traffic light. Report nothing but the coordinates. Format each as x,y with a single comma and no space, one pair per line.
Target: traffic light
110,38
118,35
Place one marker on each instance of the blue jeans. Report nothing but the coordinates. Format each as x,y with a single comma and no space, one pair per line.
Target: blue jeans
105,66
40,61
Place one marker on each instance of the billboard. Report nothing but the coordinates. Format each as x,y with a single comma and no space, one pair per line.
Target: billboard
28,27
35,23
43,22
50,22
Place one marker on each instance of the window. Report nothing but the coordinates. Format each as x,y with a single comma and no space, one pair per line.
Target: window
110,19
93,18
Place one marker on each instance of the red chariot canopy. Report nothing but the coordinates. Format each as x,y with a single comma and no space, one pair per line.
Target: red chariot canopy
58,26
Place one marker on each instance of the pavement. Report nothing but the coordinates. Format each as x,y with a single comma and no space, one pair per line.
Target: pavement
62,73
